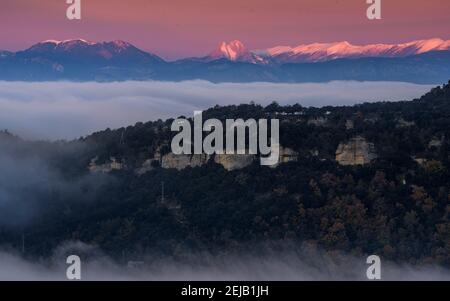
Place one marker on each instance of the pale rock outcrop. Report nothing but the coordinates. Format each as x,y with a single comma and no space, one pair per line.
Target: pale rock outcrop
106,167
318,121
286,155
430,165
183,161
349,124
402,123
436,142
357,151
234,161
179,162
420,161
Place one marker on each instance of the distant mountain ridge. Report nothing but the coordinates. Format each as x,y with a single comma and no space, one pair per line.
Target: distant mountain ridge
425,61
319,52
82,50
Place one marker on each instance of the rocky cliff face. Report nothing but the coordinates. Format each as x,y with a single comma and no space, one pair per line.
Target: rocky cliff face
402,123
286,155
183,161
228,161
233,162
357,151
436,142
171,161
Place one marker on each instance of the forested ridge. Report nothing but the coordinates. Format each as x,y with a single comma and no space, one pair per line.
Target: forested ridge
397,206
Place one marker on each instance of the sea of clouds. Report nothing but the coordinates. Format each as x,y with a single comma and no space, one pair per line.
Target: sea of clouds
67,110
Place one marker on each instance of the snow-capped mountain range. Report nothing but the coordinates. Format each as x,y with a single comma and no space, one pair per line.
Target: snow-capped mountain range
320,52
237,52
424,61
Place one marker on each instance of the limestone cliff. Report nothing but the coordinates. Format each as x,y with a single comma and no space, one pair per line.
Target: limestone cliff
182,161
357,151
179,162
436,142
286,155
233,162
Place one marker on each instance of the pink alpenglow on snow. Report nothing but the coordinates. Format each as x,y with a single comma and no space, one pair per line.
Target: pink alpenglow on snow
318,52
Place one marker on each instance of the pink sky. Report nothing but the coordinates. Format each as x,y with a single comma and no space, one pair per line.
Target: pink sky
180,28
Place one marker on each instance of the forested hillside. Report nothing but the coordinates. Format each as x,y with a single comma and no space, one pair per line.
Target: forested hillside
395,204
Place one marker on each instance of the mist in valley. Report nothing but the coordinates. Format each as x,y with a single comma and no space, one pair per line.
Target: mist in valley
283,262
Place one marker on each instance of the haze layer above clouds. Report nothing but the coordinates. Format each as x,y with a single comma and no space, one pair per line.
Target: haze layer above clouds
66,110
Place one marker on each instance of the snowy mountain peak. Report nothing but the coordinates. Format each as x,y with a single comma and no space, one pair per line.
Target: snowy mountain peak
121,44
235,51
83,50
232,50
67,45
67,42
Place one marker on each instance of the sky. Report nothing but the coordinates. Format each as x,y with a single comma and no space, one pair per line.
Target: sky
183,28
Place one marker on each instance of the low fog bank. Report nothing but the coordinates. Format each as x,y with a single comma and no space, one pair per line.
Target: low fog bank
283,264
66,110
32,180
